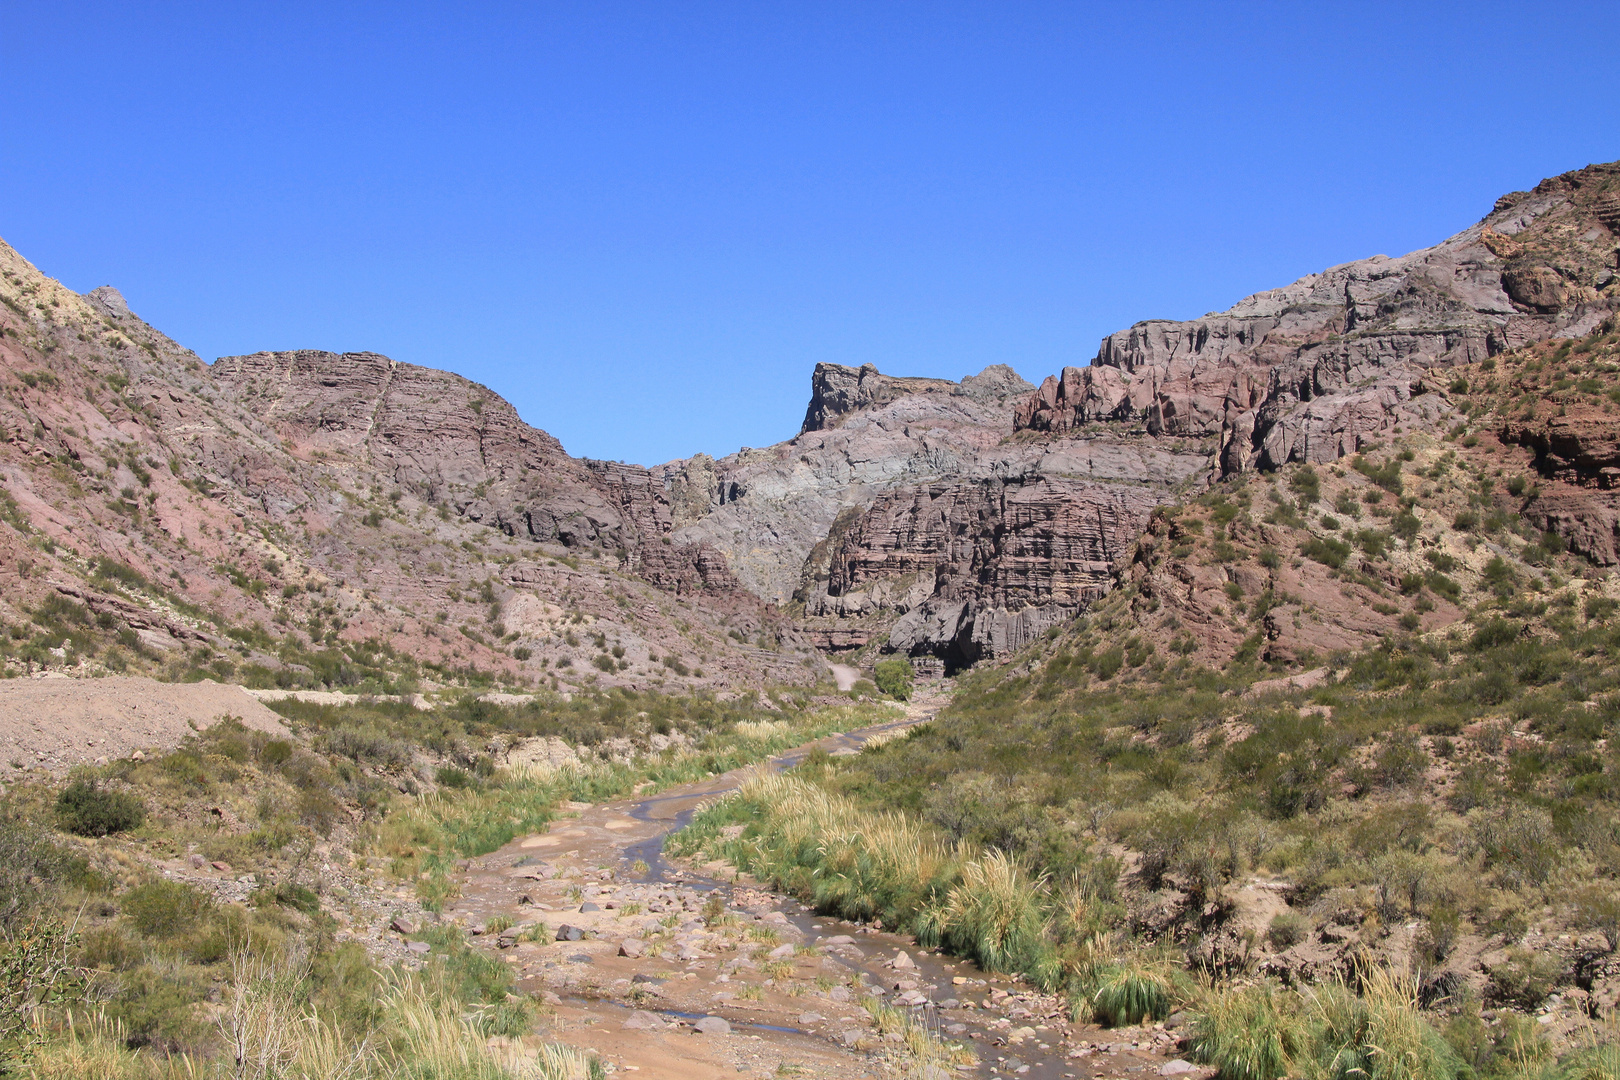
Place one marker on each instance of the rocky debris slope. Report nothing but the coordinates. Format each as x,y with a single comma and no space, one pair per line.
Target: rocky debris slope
55,723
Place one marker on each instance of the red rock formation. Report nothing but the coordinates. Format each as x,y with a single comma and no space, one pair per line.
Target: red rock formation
1310,371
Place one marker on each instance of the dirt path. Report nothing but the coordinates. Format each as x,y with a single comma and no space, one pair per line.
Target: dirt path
638,958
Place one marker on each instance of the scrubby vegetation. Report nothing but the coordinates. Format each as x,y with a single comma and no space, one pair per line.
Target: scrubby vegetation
1420,835
132,962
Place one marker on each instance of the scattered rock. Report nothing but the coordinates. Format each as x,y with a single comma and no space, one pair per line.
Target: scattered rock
713,1025
641,1020
1177,1067
903,961
402,925
634,948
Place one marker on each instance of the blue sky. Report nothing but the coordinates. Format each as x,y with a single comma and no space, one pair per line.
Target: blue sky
644,223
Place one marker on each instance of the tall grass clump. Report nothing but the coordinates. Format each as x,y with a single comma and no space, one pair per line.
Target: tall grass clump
997,915
1125,994
268,1031
1327,1033
1246,1035
1600,1062
863,865
1378,1035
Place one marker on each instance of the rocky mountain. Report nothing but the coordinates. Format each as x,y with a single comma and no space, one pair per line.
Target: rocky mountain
313,501
1310,371
958,521
306,518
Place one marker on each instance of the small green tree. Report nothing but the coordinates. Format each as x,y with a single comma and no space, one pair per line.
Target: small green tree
894,678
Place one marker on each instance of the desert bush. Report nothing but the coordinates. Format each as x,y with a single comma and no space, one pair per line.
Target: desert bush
894,677
164,909
86,808
1524,980
1287,929
36,973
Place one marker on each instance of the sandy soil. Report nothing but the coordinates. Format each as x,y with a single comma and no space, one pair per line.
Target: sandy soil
59,722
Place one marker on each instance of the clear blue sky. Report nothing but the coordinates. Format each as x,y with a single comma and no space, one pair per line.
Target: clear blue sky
644,223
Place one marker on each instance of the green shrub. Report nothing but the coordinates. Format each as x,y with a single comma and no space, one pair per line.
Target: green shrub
1306,484
1286,929
275,752
451,777
1524,980
1326,550
88,809
289,895
894,677
163,909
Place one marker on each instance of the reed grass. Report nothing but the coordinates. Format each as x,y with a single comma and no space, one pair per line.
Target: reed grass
1329,1032
885,866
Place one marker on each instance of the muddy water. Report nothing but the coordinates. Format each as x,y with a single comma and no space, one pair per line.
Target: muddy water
1019,1035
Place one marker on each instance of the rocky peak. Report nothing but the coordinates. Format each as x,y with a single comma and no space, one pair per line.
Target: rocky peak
109,302
837,391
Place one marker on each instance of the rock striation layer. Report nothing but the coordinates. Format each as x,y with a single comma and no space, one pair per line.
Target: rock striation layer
1310,371
455,443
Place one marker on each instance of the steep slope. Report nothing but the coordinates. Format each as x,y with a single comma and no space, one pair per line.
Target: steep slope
306,519
1310,371
1020,529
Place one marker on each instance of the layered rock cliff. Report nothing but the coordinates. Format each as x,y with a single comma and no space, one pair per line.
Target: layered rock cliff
1310,371
959,520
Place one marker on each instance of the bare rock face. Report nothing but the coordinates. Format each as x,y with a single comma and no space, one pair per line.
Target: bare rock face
1310,371
455,443
767,510
1579,455
906,514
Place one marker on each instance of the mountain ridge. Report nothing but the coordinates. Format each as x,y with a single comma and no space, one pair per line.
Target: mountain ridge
951,522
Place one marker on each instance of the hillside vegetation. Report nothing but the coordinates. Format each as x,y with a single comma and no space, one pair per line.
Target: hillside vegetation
1210,786
232,901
